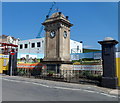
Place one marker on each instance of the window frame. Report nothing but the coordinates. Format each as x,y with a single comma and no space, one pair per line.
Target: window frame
38,44
32,45
21,45
25,46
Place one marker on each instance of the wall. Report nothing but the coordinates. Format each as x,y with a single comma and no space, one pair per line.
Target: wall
118,66
74,45
29,49
32,52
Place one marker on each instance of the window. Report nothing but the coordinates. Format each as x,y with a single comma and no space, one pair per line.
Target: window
21,46
38,44
26,45
33,45
77,47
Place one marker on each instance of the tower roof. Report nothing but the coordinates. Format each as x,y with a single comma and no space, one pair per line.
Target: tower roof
57,14
57,17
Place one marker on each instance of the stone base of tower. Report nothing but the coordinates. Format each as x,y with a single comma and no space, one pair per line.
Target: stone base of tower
58,67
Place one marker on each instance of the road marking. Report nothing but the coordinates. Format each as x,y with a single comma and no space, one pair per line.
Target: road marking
41,85
10,80
89,91
108,95
64,88
67,88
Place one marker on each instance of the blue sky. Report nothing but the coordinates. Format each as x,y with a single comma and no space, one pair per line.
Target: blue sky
93,21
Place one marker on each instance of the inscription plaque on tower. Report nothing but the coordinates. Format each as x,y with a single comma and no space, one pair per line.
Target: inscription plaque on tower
57,41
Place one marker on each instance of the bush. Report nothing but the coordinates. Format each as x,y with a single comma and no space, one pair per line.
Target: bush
89,75
50,73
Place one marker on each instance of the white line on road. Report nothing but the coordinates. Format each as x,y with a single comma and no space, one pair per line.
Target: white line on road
108,95
10,80
64,88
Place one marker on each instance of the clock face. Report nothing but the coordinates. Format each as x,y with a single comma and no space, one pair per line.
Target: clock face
52,34
65,34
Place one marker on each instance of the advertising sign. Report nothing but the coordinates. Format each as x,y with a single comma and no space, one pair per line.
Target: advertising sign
88,67
97,55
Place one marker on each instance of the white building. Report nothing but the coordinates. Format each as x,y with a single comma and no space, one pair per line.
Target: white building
75,47
35,48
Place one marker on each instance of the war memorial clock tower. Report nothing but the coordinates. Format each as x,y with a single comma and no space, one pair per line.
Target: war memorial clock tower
57,41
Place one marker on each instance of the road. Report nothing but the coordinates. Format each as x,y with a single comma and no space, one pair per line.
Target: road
16,90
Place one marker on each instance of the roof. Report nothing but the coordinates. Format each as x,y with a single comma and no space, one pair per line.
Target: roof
90,50
57,14
5,36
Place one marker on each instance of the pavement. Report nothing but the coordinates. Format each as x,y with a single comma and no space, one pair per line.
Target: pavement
87,92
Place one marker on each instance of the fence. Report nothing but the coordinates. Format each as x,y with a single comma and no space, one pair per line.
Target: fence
29,69
93,55
97,69
79,73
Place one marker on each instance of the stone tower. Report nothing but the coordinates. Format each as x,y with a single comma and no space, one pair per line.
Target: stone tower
57,38
57,41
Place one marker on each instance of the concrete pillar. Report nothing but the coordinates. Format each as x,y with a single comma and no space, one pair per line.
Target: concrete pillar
109,78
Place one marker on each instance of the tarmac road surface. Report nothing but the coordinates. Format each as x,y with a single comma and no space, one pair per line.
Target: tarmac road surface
18,90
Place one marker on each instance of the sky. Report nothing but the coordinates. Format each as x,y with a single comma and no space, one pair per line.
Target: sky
92,21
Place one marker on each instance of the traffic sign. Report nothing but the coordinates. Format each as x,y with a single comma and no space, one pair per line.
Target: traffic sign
12,53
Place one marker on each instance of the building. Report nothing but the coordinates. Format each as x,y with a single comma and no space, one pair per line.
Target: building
8,43
76,47
31,48
35,48
9,39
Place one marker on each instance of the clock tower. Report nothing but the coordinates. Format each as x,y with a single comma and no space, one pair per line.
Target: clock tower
57,39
